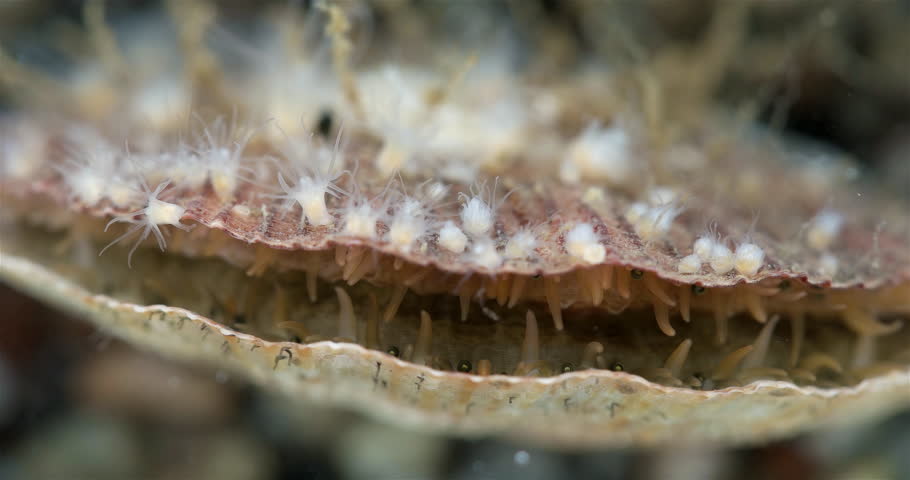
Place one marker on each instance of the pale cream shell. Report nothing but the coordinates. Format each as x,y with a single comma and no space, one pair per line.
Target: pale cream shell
592,408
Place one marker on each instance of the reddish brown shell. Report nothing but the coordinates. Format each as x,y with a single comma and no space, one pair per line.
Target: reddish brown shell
872,249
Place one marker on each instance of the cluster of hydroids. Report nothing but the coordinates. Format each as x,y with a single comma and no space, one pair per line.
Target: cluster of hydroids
403,155
318,185
324,185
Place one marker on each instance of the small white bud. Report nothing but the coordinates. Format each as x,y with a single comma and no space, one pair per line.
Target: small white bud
582,244
749,259
689,264
452,238
721,260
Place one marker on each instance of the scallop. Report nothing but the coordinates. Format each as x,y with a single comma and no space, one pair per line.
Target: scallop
429,300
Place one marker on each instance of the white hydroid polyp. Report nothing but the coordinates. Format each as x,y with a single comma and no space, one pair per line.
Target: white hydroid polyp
360,220
655,222
483,253
477,217
163,213
392,158
22,151
434,192
703,247
120,192
397,112
599,154
748,259
156,212
89,168
824,228
721,259
452,238
689,264
520,245
635,212
407,225
86,185
662,196
160,103
313,182
310,194
828,265
220,153
583,244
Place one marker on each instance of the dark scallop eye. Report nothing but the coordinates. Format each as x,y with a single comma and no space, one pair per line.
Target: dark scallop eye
393,351
324,124
698,289
464,366
566,367
636,274
617,367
